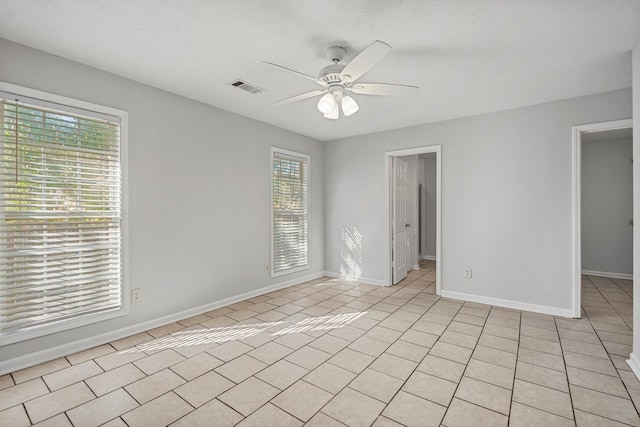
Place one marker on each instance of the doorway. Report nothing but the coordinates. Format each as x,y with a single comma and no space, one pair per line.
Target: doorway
594,133
394,224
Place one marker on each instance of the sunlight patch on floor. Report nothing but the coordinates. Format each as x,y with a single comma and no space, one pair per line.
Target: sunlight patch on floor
203,336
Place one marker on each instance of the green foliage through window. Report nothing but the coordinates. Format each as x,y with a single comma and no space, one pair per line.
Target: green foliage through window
60,215
290,212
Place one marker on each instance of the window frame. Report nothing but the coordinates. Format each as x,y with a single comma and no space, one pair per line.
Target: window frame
307,158
75,106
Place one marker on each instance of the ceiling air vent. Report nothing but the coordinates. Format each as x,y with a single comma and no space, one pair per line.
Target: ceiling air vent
251,88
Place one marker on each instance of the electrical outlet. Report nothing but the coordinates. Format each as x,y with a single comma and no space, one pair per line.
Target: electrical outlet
136,295
266,268
467,273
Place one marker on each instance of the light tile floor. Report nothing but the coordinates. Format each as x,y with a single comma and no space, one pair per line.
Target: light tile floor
332,353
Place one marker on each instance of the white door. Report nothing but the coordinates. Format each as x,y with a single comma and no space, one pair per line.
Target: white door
401,244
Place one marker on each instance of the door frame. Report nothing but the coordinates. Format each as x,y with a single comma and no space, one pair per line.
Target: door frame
577,185
388,204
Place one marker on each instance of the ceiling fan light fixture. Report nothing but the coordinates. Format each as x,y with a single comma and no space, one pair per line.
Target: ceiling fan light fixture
349,105
333,114
327,104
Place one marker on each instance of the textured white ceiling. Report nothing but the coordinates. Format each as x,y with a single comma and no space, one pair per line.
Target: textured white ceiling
468,56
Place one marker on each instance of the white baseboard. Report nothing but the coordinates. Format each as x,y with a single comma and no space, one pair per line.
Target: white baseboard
517,305
20,362
429,257
608,274
634,364
415,267
365,280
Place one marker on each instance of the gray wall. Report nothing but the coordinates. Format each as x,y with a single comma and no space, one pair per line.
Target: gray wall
607,206
427,178
506,197
199,191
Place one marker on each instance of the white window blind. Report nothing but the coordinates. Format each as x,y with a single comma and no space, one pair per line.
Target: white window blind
60,214
290,211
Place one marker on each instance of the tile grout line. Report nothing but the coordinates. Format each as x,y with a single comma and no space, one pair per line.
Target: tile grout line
586,315
566,371
515,368
466,365
610,360
607,300
24,408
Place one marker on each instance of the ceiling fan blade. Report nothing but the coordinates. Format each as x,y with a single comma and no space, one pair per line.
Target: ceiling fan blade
300,97
365,60
297,73
383,89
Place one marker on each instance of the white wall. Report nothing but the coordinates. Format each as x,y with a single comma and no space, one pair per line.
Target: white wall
427,178
199,192
607,206
422,214
412,208
506,198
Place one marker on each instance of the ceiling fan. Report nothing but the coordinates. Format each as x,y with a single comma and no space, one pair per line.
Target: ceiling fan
339,80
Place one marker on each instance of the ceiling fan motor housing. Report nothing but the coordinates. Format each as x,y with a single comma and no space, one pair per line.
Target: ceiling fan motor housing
331,74
336,53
